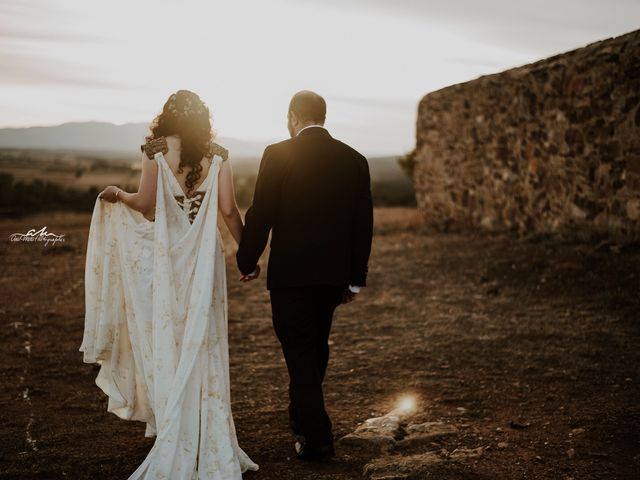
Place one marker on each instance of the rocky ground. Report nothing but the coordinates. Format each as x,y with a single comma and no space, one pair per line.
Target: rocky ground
522,357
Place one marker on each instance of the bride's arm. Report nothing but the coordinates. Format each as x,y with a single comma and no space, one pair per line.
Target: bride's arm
227,201
144,200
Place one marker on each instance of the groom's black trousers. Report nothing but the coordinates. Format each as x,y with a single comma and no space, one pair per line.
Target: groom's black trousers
302,322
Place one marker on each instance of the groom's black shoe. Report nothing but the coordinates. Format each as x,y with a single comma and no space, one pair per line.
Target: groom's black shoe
320,453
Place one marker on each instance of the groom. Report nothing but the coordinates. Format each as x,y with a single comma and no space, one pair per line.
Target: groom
313,193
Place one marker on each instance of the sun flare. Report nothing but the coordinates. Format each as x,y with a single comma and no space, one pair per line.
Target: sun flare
407,404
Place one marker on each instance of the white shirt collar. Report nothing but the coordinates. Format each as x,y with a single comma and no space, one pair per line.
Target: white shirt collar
309,126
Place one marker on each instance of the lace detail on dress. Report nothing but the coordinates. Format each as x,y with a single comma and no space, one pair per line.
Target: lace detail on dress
154,146
190,205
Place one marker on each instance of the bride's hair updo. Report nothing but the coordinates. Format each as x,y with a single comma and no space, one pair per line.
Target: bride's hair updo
185,115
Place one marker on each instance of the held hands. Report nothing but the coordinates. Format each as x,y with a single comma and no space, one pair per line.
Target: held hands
252,276
110,194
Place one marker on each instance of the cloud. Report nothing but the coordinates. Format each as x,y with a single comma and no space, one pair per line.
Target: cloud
35,20
474,61
39,70
27,8
31,28
374,102
542,27
20,33
372,59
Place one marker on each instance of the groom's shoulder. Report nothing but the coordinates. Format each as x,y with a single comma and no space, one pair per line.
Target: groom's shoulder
349,150
281,144
278,147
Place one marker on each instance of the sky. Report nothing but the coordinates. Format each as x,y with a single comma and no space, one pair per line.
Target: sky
372,60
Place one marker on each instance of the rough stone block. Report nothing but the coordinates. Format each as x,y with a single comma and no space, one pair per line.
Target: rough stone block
550,147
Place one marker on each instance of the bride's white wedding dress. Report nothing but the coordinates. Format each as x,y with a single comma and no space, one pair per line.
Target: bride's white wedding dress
156,322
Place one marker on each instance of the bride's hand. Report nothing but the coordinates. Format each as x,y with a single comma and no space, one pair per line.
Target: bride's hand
251,276
109,194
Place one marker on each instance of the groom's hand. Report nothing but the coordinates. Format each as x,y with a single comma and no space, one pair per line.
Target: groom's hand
252,276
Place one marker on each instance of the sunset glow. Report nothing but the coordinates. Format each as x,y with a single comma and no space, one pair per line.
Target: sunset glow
118,61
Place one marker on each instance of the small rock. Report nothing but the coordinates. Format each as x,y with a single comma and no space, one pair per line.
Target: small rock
633,209
391,476
464,453
519,425
503,445
571,453
425,433
434,429
378,434
397,467
376,443
598,455
577,431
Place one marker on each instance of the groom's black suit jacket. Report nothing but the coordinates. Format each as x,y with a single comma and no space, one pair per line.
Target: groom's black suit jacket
314,193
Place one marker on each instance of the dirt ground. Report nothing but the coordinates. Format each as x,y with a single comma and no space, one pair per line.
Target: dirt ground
484,329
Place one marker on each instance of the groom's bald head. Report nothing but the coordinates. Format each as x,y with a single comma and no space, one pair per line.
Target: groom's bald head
305,108
309,107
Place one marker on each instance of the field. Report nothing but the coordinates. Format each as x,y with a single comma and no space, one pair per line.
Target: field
33,181
529,348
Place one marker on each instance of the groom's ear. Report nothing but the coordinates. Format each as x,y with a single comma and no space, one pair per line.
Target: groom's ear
291,123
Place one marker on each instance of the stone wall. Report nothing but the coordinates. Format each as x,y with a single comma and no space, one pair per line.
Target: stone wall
553,146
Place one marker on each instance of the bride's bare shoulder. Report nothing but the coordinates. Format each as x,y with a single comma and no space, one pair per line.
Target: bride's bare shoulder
215,149
151,147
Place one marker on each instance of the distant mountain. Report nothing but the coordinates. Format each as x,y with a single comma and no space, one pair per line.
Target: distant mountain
121,142
103,136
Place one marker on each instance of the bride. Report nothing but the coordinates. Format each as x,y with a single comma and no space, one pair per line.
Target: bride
156,300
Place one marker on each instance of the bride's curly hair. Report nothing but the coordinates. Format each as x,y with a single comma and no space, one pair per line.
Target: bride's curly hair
186,115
